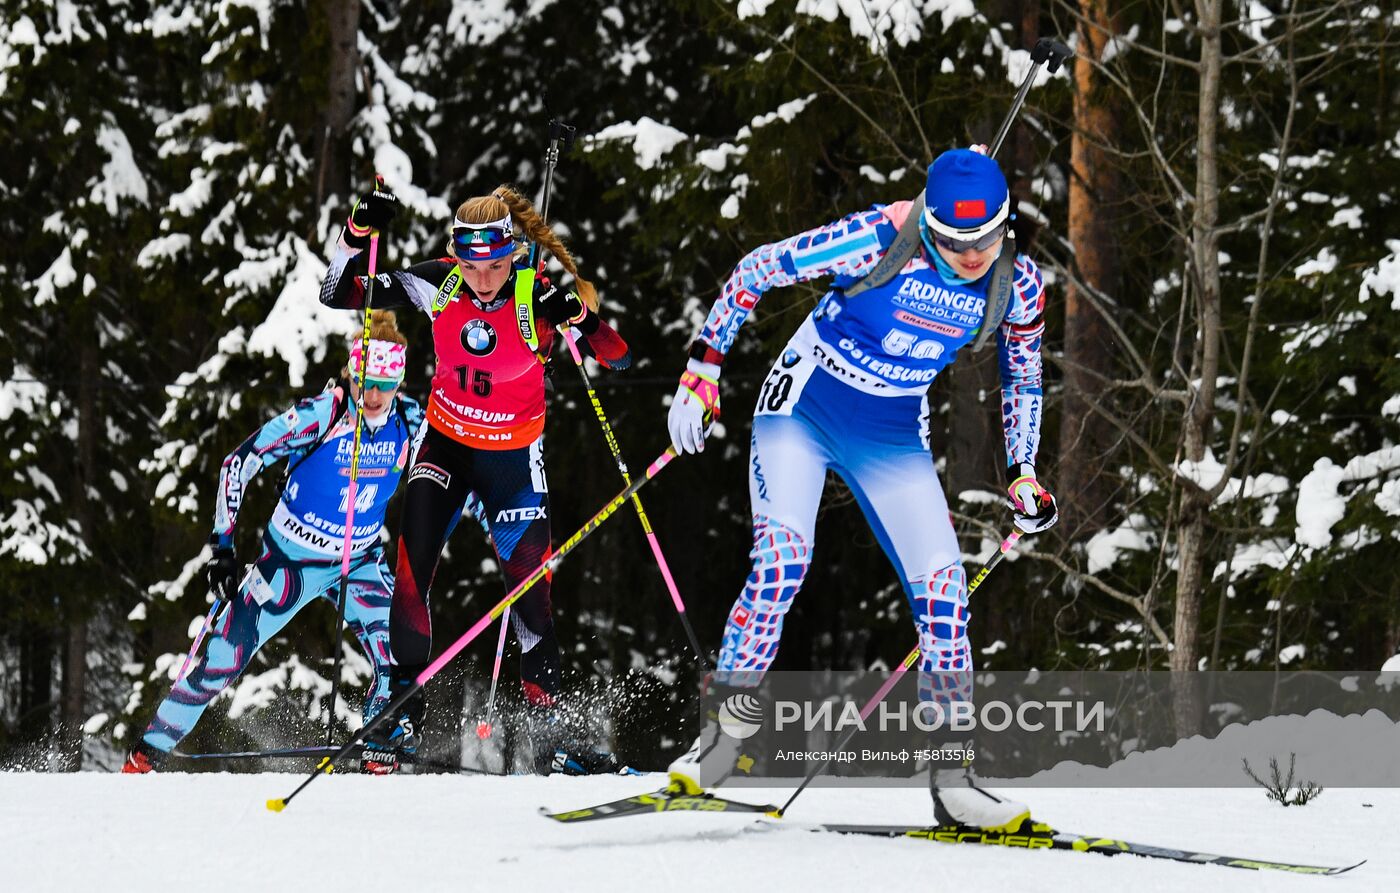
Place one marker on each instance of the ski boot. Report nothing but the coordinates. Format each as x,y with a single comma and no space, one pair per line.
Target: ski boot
142,758
397,735
561,743
957,800
578,758
731,714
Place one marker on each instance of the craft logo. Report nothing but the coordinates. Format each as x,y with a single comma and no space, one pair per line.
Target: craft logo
478,337
741,716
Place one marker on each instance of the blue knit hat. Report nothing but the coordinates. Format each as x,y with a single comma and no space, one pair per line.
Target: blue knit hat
966,195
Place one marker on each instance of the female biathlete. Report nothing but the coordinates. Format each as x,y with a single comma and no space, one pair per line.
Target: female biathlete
301,554
493,325
848,393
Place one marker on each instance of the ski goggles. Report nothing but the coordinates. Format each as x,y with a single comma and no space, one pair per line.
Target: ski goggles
980,236
958,246
483,241
372,384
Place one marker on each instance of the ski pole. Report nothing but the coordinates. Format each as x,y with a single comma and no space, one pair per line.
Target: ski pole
483,728
909,660
557,131
350,494
560,131
549,565
199,639
637,502
1046,50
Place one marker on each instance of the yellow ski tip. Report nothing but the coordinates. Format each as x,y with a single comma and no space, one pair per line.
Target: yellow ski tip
774,814
277,805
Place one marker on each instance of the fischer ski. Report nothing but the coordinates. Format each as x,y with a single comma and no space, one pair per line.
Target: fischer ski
1043,837
657,801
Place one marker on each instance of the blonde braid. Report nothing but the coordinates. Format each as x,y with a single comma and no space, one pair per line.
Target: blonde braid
538,231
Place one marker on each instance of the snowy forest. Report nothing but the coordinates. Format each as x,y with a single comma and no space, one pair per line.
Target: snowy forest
1205,185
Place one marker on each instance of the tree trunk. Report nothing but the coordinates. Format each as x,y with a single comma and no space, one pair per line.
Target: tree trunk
976,453
72,703
1200,414
1094,196
343,24
35,681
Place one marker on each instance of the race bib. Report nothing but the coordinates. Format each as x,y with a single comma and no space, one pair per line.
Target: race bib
256,586
784,383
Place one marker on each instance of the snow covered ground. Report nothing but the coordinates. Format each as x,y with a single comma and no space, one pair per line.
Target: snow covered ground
212,832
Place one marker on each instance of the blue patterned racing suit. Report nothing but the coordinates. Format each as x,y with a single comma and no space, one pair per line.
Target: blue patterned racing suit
848,394
301,549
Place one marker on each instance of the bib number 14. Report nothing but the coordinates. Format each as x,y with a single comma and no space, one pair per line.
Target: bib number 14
364,497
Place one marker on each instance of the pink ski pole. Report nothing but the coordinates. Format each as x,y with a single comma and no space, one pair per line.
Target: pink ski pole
483,728
199,640
549,565
652,541
352,489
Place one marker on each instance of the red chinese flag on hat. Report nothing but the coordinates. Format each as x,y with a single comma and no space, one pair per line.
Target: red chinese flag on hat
969,209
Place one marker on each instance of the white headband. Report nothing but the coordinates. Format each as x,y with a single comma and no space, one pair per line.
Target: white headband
971,233
503,223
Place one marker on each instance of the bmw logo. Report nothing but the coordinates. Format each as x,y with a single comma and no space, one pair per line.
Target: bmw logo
478,337
790,358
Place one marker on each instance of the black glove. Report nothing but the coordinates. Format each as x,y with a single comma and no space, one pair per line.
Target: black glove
374,210
222,572
560,307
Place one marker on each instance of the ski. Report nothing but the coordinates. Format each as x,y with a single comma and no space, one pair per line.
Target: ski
1045,837
657,801
323,750
319,750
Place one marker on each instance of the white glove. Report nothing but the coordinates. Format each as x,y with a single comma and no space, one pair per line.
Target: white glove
695,408
1032,505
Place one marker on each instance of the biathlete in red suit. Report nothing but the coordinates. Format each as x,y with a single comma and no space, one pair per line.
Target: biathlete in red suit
493,329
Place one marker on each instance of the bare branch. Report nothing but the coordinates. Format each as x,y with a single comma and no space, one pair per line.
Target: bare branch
791,49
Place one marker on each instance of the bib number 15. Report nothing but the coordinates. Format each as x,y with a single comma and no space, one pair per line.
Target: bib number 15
480,380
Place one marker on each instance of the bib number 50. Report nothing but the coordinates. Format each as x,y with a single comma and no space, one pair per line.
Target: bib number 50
784,384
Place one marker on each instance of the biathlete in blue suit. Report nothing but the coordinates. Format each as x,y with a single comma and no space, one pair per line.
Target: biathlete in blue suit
848,394
301,549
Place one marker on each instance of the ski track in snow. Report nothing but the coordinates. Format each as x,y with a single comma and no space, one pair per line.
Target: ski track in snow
212,833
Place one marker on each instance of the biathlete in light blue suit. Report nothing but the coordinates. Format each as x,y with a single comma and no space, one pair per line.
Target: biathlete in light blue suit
848,394
301,553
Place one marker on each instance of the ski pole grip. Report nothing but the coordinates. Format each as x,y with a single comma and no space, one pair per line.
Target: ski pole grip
560,130
1050,50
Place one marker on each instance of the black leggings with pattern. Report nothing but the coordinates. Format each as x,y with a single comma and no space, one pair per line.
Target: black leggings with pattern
510,485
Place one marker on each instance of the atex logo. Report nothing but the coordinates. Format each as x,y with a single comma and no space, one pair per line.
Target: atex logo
529,513
741,716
